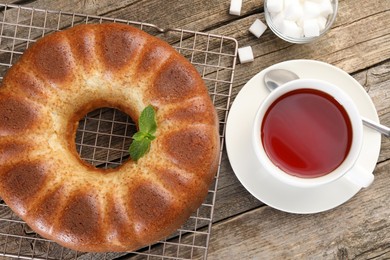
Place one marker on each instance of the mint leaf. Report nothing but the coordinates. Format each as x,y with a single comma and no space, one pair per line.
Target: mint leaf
150,137
147,120
139,136
147,126
139,148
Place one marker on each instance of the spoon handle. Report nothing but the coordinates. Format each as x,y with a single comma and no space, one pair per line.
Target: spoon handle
376,126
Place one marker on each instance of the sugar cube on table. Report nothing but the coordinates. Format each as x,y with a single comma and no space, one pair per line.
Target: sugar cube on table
258,28
245,54
235,7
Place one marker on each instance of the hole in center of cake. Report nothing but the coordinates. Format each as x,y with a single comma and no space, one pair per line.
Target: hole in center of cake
104,136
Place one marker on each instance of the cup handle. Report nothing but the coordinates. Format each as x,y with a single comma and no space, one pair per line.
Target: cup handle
360,176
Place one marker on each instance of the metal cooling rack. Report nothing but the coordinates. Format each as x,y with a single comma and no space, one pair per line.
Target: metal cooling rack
104,135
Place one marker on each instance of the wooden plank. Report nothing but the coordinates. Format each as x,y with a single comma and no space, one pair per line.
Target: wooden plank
376,81
359,39
346,43
91,7
340,46
359,229
169,13
16,2
197,15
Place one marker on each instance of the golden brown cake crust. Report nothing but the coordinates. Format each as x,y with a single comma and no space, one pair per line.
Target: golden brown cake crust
61,78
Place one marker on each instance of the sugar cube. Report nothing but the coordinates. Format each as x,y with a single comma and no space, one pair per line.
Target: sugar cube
293,12
321,22
275,6
288,2
277,19
291,29
311,9
326,8
235,7
258,28
311,28
245,54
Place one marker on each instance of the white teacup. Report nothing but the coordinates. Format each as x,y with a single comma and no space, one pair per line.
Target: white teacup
299,125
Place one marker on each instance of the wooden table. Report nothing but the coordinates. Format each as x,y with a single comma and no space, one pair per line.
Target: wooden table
243,227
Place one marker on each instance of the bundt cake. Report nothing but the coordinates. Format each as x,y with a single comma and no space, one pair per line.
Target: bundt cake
56,82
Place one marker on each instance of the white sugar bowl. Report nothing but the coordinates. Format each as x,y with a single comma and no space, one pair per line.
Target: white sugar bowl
300,21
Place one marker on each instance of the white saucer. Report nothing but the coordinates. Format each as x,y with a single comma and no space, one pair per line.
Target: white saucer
253,176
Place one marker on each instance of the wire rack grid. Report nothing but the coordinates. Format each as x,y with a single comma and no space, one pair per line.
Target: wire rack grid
104,134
